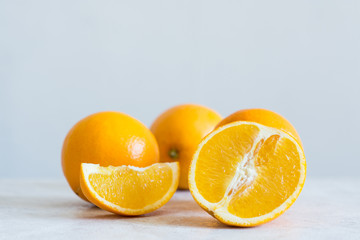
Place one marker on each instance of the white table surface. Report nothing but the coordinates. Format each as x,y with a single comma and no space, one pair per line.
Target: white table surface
47,209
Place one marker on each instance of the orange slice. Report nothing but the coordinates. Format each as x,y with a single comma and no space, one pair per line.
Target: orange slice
129,190
246,174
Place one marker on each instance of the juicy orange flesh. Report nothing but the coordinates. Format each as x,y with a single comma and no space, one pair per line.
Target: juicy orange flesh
269,185
277,165
133,189
217,162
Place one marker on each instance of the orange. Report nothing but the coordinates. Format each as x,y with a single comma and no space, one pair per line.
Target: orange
246,174
107,138
129,190
179,130
264,117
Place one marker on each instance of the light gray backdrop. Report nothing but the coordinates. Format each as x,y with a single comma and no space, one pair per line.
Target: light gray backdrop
63,60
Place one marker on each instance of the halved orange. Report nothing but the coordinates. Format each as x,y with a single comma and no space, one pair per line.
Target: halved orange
128,190
246,174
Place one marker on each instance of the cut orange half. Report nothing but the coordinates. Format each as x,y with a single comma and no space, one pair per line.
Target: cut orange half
246,174
129,190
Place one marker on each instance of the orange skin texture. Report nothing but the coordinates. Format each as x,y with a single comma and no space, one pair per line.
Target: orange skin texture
264,117
107,138
181,128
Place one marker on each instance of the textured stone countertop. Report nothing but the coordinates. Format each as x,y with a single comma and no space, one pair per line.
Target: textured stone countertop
47,209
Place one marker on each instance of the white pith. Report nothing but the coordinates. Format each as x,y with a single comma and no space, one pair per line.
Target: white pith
88,169
245,174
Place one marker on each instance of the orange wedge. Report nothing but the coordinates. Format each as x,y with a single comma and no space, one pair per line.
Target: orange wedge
246,174
128,190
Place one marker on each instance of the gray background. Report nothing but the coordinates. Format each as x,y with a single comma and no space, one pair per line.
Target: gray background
63,60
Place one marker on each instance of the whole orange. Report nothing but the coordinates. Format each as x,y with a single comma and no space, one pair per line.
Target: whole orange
264,117
107,138
179,130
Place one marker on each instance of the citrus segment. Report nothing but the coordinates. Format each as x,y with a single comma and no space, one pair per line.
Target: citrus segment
129,190
278,176
219,160
245,173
